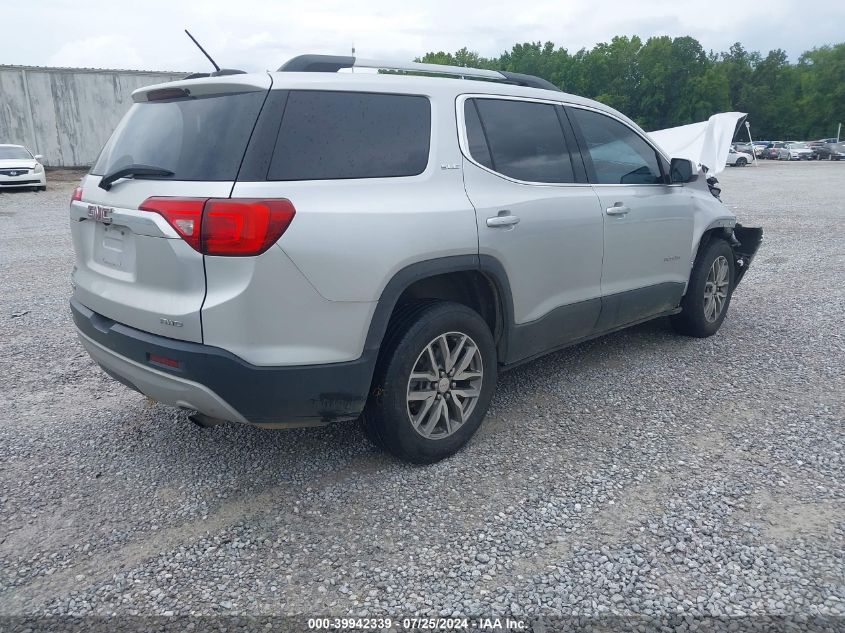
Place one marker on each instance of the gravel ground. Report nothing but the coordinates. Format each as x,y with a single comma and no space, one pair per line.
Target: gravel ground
642,474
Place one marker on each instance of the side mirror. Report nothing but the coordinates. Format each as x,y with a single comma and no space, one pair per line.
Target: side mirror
38,157
682,170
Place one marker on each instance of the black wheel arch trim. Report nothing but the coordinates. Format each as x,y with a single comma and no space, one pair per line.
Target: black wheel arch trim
488,265
743,240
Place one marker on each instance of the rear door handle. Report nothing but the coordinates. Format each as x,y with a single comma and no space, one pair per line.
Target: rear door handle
503,219
617,209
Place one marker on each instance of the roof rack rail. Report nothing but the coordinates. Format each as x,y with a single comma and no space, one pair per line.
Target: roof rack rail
333,63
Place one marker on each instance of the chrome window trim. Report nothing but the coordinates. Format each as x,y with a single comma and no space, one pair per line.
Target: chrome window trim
463,142
645,139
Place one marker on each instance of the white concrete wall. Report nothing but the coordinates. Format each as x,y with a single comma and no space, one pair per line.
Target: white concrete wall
67,114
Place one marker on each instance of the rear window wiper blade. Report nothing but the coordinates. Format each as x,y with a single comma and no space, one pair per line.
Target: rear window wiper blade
135,171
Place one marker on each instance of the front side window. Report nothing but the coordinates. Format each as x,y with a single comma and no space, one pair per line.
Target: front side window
619,155
520,139
337,135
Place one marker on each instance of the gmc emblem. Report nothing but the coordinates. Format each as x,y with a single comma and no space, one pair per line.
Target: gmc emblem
100,214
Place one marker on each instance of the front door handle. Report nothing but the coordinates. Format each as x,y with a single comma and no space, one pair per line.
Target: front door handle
503,219
617,209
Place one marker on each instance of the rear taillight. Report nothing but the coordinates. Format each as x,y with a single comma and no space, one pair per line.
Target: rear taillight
225,226
183,214
77,195
244,226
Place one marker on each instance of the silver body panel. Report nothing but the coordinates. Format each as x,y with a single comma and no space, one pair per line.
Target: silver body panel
137,270
649,245
553,256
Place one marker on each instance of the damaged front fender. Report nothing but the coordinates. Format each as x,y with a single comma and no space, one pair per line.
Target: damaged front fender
745,243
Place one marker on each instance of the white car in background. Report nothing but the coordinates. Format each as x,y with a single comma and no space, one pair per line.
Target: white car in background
19,168
794,150
738,159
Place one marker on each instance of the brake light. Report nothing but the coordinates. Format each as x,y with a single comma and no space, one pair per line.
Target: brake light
183,214
168,93
225,226
244,226
77,195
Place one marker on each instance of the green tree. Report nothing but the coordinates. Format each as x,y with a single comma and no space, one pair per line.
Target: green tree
612,74
821,76
666,81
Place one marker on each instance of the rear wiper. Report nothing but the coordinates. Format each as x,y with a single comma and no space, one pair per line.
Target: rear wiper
135,171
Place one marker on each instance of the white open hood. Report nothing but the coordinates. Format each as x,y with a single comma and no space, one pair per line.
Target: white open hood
706,143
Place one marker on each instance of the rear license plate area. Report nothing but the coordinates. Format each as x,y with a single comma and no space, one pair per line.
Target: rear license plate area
114,248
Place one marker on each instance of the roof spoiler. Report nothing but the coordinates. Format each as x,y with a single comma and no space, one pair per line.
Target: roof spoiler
333,63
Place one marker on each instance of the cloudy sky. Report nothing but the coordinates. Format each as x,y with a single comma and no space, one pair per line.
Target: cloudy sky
261,34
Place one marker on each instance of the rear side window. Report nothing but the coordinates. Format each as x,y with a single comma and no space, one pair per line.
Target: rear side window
478,148
196,138
619,155
335,135
524,139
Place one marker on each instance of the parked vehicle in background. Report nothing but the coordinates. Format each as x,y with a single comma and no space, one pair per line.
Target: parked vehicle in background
308,246
748,148
830,151
20,169
738,159
795,150
772,150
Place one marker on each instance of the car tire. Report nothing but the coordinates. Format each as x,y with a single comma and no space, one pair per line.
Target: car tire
409,413
708,296
741,162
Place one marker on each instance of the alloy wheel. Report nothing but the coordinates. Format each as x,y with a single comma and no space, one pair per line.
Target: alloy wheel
445,385
716,289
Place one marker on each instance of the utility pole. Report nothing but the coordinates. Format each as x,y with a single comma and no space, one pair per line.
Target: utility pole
838,132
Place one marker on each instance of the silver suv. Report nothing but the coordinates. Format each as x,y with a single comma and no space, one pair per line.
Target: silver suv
307,246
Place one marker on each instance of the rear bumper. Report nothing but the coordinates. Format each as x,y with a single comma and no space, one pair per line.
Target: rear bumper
221,385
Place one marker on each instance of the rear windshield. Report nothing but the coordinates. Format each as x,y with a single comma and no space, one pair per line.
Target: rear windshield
14,153
334,135
196,138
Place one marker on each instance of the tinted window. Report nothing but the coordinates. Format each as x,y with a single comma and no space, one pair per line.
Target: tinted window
196,139
620,156
525,140
330,135
478,148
